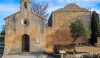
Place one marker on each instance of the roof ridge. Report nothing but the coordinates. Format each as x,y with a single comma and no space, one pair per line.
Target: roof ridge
72,7
38,15
12,15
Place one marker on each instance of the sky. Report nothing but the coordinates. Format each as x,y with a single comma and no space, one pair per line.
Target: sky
8,7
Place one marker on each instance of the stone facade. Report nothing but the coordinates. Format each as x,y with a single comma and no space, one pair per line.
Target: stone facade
26,24
59,22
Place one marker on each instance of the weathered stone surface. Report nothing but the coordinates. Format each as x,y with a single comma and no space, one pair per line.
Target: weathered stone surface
41,38
15,29
73,7
59,22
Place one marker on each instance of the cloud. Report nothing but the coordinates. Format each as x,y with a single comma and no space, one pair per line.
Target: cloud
97,10
84,3
53,8
12,6
79,0
89,4
9,8
6,10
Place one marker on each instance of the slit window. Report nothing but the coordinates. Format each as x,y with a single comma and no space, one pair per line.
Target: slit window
25,5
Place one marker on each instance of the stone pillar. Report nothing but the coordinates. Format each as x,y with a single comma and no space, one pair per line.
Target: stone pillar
62,55
62,52
98,42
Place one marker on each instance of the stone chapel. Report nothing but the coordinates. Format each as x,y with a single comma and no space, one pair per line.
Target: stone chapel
25,30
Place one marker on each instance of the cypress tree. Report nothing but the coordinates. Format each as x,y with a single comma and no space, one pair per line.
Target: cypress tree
94,27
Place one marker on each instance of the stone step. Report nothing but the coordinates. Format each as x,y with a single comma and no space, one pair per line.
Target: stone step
27,56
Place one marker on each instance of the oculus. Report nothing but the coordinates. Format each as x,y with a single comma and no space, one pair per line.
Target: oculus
25,22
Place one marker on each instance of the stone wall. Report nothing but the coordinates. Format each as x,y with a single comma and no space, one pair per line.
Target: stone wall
61,20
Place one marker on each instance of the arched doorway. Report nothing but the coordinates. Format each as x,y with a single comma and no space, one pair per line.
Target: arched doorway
25,43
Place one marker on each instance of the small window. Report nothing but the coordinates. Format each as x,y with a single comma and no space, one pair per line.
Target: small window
25,5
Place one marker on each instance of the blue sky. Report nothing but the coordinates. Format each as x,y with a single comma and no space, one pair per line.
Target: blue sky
8,7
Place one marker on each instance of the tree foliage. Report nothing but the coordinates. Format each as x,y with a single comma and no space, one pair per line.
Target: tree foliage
3,30
2,34
99,30
79,28
95,24
94,27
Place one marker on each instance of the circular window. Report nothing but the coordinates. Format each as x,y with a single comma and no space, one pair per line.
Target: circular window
25,21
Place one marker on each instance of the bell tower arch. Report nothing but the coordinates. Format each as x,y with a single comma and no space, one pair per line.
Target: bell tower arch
25,5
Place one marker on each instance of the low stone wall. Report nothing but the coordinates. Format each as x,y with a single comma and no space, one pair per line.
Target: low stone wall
84,55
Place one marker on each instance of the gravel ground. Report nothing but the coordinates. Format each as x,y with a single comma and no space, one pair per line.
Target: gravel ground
89,49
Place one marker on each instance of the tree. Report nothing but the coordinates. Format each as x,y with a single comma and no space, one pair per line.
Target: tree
2,34
99,30
3,31
40,8
79,28
94,27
